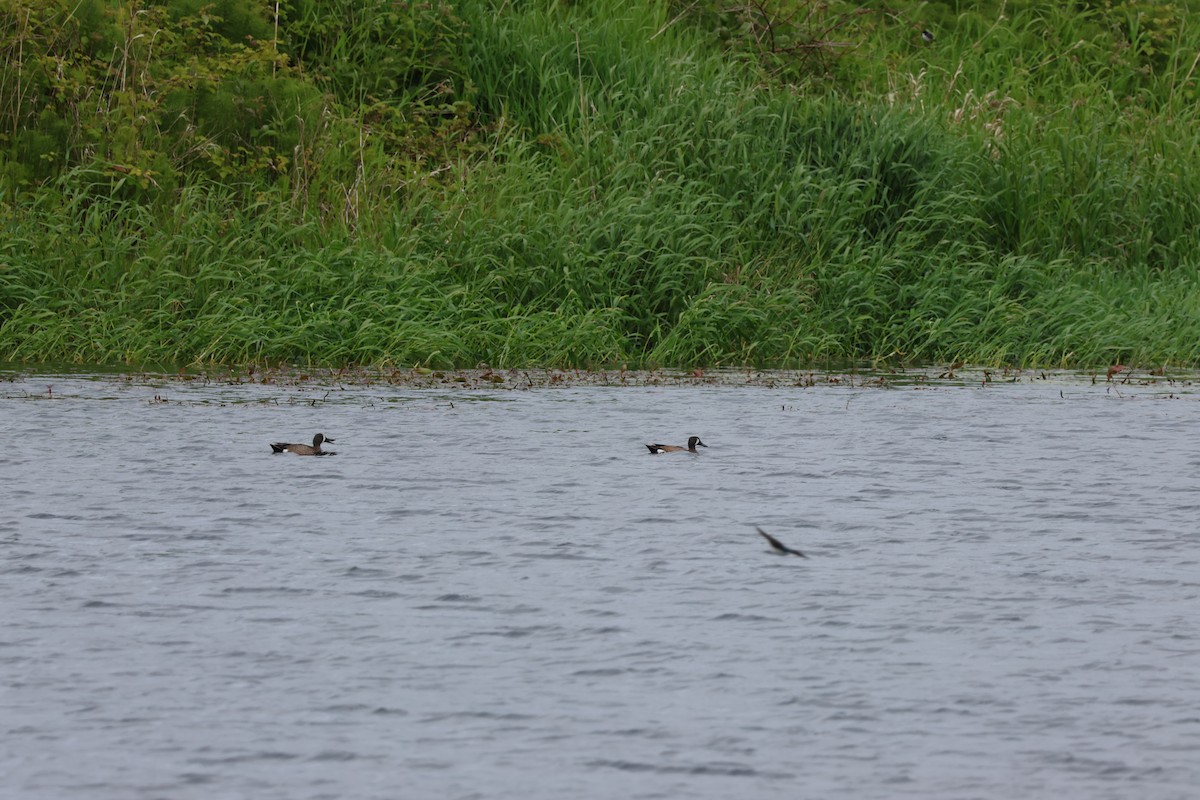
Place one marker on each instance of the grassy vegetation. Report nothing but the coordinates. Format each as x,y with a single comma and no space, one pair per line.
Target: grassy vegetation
601,183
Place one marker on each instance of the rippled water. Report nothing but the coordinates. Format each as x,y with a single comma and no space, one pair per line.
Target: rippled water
502,594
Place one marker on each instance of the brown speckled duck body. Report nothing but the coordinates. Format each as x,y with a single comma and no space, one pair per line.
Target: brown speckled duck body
674,448
303,449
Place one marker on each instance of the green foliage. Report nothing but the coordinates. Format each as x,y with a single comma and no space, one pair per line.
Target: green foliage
128,90
235,21
596,184
159,94
378,50
800,42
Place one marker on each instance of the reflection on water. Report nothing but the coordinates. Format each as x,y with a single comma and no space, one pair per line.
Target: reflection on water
497,594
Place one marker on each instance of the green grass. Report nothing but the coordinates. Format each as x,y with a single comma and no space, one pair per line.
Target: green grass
1025,192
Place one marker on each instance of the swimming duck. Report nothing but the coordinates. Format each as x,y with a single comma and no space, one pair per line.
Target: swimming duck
303,449
674,448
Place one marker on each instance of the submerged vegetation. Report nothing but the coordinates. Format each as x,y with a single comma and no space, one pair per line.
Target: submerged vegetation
540,183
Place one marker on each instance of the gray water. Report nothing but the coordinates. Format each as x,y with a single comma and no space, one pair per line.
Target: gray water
502,594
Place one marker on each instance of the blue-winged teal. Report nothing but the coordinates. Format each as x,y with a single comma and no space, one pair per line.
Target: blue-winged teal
674,448
778,546
304,449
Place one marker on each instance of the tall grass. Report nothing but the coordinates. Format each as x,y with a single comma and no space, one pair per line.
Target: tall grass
648,199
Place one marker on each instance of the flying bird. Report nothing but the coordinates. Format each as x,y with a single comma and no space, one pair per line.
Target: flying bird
778,546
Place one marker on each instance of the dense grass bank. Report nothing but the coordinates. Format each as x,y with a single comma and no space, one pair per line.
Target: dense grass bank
619,183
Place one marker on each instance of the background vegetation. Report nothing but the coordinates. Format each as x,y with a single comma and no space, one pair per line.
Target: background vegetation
530,182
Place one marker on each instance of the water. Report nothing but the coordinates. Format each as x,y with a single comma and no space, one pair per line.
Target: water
502,594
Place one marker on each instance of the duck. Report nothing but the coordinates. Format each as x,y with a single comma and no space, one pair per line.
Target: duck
674,448
304,449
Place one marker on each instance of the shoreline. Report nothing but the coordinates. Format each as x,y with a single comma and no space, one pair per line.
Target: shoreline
527,379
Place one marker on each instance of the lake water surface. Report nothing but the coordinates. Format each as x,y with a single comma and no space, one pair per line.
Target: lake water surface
494,593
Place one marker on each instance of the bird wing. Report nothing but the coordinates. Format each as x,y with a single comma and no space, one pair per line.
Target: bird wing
778,545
